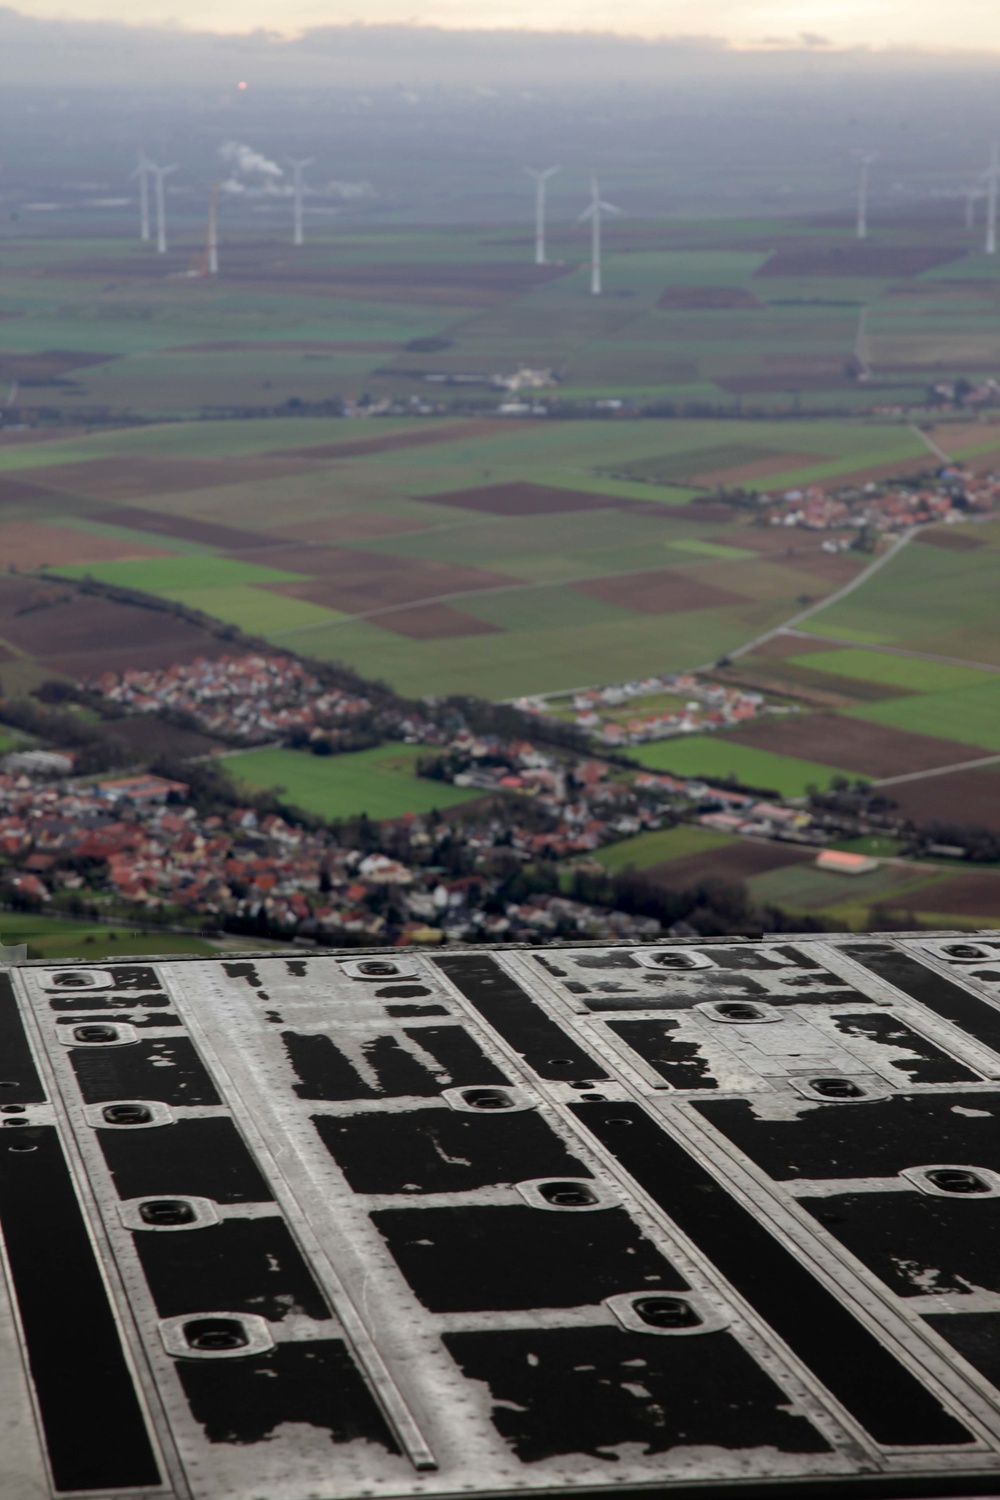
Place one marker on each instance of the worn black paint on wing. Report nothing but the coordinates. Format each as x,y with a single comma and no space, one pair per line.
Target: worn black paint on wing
82,1381
458,1053
19,1080
314,1382
918,1244
398,1071
75,1001
976,1336
443,1150
858,1370
499,1258
205,1158
590,1390
138,1019
242,1265
416,1010
164,1068
942,996
680,1062
873,1138
518,1018
323,1070
928,1064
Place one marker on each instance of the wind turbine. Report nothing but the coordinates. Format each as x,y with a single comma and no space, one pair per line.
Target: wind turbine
161,207
970,193
298,167
593,213
991,174
541,178
142,172
866,162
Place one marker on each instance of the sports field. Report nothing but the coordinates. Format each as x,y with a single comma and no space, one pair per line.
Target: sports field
381,783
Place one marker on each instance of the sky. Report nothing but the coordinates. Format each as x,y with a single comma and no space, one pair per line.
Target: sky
966,25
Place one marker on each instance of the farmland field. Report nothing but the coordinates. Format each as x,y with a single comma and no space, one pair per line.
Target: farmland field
382,783
704,755
454,549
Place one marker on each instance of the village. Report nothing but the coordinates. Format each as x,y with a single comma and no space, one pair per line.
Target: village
191,852
954,495
653,708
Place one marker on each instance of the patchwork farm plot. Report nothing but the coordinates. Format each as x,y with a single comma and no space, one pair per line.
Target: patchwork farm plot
508,555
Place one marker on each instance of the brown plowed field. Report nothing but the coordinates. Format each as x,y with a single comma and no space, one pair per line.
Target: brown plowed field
421,435
685,298
780,646
971,797
854,745
835,567
783,543
661,591
31,544
13,489
432,622
761,468
976,894
953,539
185,528
520,498
48,364
857,260
287,346
352,526
732,862
146,655
130,478
360,582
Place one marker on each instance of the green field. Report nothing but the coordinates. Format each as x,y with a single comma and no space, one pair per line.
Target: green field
656,848
970,715
382,783
707,755
908,672
55,937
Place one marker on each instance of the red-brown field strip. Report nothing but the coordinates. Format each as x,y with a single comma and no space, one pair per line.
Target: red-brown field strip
689,298
858,260
953,540
661,591
967,797
350,526
733,862
135,476
287,346
976,894
185,528
761,468
433,622
423,435
855,745
31,544
358,582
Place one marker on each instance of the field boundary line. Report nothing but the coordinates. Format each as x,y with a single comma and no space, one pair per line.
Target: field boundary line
929,442
948,661
815,609
961,765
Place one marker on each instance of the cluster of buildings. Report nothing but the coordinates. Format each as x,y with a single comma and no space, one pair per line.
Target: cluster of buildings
138,847
951,497
616,717
241,699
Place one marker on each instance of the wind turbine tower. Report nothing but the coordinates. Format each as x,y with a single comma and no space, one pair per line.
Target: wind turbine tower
866,162
991,174
212,259
298,188
593,213
142,172
541,178
161,205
